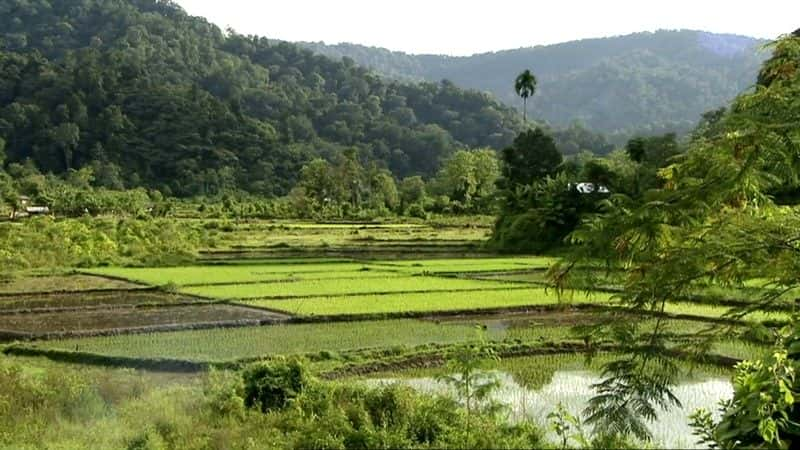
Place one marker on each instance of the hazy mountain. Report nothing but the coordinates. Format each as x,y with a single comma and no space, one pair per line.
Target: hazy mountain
649,82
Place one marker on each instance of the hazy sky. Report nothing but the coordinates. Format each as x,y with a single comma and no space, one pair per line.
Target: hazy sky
465,27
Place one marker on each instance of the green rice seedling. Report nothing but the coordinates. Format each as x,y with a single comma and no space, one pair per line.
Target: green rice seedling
359,283
474,264
429,302
220,345
223,273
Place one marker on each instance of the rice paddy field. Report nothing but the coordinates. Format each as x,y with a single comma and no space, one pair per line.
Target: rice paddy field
358,300
261,235
59,301
120,319
325,298
63,283
533,387
474,300
220,345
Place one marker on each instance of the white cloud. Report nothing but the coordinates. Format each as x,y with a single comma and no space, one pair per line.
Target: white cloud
465,27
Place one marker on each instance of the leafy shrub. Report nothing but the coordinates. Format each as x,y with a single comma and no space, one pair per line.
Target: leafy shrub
273,385
87,242
765,409
527,232
223,393
416,210
147,440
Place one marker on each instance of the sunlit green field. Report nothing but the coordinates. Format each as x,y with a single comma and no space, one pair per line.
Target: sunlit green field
475,264
239,343
235,273
225,345
348,287
428,302
713,311
337,287
351,286
282,269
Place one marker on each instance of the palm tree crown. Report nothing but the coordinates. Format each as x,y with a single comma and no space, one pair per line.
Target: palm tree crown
525,85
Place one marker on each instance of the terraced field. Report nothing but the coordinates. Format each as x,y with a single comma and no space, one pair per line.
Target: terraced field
333,308
347,286
83,300
236,273
475,300
237,344
61,283
467,265
281,269
226,240
121,319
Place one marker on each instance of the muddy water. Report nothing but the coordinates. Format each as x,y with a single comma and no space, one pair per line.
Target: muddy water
572,388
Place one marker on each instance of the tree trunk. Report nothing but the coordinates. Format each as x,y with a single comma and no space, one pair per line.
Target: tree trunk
525,109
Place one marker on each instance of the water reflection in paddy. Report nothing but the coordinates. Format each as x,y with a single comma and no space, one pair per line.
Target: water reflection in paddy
572,388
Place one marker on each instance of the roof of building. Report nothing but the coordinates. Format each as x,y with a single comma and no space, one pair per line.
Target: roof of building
590,188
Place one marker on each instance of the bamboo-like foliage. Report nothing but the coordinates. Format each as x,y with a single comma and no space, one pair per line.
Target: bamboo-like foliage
713,221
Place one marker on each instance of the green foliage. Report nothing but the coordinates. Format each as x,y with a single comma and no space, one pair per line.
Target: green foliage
468,179
416,210
567,427
168,101
633,391
344,189
472,383
75,196
412,191
274,385
710,220
651,154
48,243
531,157
56,406
541,205
383,191
764,411
538,217
525,86
577,138
395,417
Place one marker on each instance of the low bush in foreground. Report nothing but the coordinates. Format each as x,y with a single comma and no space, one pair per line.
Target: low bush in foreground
54,407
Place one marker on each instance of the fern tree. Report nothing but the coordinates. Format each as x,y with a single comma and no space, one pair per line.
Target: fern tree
712,221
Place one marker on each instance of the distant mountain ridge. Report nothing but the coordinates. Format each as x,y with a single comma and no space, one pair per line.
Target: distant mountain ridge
646,82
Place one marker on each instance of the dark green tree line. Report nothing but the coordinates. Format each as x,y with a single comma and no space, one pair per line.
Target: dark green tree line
152,97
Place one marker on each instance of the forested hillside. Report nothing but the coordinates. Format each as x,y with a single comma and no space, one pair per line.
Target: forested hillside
644,82
149,96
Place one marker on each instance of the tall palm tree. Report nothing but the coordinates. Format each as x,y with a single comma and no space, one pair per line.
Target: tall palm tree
525,85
